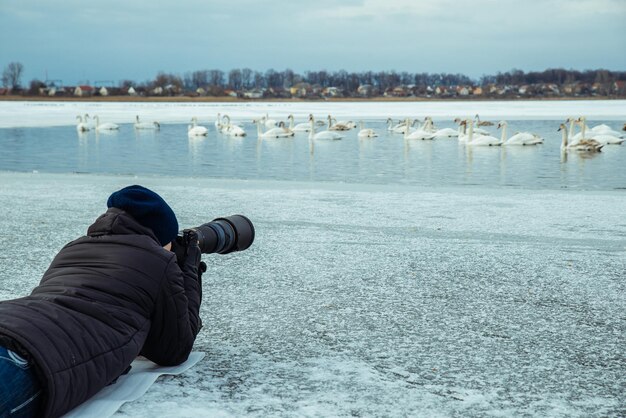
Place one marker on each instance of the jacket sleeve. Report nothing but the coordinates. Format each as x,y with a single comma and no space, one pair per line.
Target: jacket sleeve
176,320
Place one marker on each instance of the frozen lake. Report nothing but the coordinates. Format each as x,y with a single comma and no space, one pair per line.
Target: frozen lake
370,297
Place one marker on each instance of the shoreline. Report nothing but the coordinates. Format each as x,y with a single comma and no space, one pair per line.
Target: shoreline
226,99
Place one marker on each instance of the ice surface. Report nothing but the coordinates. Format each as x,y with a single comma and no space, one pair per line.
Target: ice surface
359,300
29,114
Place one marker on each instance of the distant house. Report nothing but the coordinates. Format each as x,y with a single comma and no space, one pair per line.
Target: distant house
619,87
230,93
365,90
132,91
332,92
253,94
103,91
462,91
84,90
441,90
477,91
200,91
300,89
157,91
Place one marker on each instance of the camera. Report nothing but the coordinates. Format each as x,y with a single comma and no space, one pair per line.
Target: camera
225,235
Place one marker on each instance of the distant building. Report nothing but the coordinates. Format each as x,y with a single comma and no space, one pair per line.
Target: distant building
300,90
103,91
462,91
132,91
477,91
253,94
332,92
84,90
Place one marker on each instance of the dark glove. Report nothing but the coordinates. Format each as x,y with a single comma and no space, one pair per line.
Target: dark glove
187,251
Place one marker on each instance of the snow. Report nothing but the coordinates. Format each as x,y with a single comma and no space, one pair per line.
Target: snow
45,113
373,300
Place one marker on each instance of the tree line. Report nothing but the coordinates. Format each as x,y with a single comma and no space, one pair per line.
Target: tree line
217,82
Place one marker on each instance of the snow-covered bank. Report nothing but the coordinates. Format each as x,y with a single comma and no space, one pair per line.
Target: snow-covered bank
360,300
46,113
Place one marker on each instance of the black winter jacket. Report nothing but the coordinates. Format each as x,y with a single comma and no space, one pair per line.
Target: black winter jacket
106,298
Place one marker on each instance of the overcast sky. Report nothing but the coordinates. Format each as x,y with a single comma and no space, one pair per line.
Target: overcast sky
97,40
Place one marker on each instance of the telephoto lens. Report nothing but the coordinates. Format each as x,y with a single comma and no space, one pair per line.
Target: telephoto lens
225,235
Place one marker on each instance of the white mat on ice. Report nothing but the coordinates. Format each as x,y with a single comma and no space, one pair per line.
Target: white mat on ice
128,387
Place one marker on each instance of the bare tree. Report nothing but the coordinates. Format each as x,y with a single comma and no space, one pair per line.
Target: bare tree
234,79
246,78
12,74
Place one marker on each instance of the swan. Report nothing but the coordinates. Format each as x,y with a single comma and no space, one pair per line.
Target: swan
81,126
399,128
105,126
337,126
419,133
603,138
269,123
520,138
146,125
301,127
347,123
323,134
589,145
479,131
219,123
482,122
481,140
607,130
366,133
277,132
195,130
439,133
232,130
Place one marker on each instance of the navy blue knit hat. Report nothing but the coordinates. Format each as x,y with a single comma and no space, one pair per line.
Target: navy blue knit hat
149,209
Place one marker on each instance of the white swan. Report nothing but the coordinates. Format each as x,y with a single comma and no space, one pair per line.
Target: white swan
219,125
603,138
520,138
323,134
146,125
278,132
481,140
478,131
366,133
587,145
105,126
269,123
81,126
429,126
338,126
399,128
607,130
196,130
232,130
419,133
301,127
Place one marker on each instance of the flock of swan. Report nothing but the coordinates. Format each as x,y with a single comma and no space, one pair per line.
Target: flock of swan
83,124
470,132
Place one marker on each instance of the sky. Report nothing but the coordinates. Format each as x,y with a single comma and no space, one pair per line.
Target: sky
79,41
